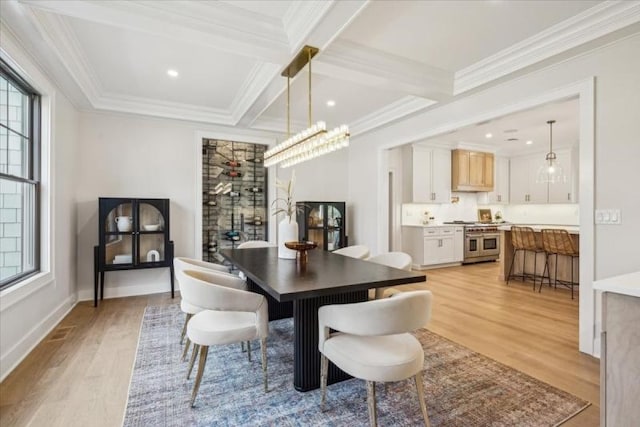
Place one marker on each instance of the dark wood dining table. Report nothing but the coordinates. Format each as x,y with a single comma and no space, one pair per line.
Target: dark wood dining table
296,291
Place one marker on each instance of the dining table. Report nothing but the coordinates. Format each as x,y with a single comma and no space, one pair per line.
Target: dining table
298,290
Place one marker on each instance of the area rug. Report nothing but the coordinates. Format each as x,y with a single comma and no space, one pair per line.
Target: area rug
462,387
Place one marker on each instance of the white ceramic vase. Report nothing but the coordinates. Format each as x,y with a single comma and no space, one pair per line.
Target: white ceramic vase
287,232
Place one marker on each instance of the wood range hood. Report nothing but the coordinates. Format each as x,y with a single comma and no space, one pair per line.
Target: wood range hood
471,171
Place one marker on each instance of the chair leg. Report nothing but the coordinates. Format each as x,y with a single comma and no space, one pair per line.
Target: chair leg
423,405
187,345
263,350
324,369
524,265
535,269
571,277
513,258
379,293
184,328
204,351
196,347
544,271
249,350
242,346
371,403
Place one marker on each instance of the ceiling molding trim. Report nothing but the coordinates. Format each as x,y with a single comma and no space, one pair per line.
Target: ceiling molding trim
301,18
171,110
390,113
260,76
228,34
351,61
62,42
589,25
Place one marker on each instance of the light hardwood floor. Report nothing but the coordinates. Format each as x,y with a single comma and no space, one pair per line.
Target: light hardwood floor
79,375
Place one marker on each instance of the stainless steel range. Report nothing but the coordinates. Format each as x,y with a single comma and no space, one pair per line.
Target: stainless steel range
481,242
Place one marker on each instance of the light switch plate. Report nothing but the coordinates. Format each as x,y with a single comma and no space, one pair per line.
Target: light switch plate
608,216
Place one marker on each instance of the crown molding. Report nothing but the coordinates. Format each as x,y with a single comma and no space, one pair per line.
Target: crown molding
256,82
360,64
170,110
390,113
301,18
595,22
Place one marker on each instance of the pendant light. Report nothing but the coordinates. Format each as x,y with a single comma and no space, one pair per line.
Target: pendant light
312,142
551,170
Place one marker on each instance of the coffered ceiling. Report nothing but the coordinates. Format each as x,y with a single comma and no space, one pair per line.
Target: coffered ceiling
379,60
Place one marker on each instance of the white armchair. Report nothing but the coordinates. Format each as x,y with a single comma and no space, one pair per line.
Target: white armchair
255,244
190,308
355,251
398,260
372,342
230,315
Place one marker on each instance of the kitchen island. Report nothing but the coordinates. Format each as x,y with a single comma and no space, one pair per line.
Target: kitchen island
564,262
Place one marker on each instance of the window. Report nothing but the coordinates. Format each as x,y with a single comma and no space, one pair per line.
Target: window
19,177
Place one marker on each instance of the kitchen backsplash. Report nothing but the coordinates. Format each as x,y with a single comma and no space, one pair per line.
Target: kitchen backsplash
467,210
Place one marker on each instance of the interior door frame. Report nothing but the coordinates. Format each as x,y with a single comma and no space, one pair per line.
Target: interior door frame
589,319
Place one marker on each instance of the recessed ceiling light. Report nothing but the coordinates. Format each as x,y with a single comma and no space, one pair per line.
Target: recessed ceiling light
172,73
489,135
331,103
529,142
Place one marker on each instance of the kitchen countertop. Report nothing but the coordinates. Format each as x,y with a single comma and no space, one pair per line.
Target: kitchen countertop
626,284
433,225
572,229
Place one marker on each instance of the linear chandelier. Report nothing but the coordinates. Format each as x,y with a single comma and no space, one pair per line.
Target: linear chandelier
313,141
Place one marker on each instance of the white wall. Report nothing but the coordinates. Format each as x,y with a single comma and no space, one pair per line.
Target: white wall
133,156
28,311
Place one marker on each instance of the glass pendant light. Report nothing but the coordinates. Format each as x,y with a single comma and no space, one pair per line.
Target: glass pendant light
551,170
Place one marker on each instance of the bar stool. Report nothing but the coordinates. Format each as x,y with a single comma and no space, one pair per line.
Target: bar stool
524,239
558,242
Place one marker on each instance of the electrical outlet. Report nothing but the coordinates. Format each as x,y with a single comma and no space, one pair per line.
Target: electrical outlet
608,216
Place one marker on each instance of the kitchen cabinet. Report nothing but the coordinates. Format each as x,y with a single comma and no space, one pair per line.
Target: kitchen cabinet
323,223
427,175
472,171
523,185
525,189
433,245
500,193
132,234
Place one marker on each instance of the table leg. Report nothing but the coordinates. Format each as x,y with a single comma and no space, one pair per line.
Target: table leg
306,373
102,285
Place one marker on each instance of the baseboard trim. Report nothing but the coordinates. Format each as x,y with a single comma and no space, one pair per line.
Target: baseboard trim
126,291
16,354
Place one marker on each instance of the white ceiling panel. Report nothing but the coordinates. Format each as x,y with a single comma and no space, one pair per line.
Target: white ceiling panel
455,34
135,64
352,101
272,8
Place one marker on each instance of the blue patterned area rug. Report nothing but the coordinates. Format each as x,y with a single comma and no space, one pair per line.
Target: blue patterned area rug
462,387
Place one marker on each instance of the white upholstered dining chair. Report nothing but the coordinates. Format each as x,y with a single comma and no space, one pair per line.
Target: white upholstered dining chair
255,244
398,260
372,342
230,315
354,251
190,308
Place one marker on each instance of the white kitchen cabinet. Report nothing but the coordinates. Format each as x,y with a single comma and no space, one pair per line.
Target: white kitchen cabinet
563,192
500,193
433,245
523,185
427,175
525,189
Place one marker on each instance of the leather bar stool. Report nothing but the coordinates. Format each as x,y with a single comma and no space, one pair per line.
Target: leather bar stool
523,240
558,242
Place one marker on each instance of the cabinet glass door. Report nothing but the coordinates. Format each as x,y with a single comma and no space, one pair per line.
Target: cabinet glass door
119,229
151,234
334,228
315,221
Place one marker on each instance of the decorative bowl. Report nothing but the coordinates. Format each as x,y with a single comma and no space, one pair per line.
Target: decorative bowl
301,248
151,227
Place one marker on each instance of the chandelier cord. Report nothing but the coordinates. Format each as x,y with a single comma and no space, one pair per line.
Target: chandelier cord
309,56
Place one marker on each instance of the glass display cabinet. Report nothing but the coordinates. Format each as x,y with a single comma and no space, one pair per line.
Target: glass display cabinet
323,223
133,234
